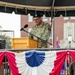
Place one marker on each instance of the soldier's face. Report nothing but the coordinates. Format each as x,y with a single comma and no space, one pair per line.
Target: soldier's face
38,20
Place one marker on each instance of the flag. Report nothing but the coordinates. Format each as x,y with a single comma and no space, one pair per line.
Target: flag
63,69
31,62
57,43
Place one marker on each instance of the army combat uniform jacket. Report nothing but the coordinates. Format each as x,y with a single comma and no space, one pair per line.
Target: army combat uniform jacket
42,31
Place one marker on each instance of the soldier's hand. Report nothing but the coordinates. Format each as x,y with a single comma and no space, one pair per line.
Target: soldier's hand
49,28
39,40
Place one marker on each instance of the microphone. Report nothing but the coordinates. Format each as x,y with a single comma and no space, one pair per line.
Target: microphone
21,29
25,26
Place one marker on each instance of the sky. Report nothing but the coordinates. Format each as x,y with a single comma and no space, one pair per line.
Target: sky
10,22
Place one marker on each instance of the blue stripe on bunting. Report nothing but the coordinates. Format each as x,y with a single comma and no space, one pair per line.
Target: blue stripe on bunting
34,58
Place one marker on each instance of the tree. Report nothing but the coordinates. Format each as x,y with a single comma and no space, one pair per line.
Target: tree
7,40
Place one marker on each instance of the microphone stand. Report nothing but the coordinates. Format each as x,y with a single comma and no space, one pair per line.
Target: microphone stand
36,36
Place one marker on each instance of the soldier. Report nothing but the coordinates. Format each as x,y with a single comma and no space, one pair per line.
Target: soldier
41,30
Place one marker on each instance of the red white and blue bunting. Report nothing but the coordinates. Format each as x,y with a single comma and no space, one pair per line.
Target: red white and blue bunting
36,62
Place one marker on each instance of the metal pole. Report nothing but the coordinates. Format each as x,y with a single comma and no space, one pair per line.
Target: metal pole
69,44
68,57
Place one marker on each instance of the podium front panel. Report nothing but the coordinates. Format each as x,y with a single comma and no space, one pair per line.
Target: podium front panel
24,43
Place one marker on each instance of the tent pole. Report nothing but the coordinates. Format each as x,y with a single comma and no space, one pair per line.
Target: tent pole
52,21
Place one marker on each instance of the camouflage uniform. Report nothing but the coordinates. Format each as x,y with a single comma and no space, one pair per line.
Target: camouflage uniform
42,31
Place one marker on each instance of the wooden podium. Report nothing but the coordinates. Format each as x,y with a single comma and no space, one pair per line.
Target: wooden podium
24,43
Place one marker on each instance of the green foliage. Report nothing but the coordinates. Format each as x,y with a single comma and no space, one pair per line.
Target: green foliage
7,40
